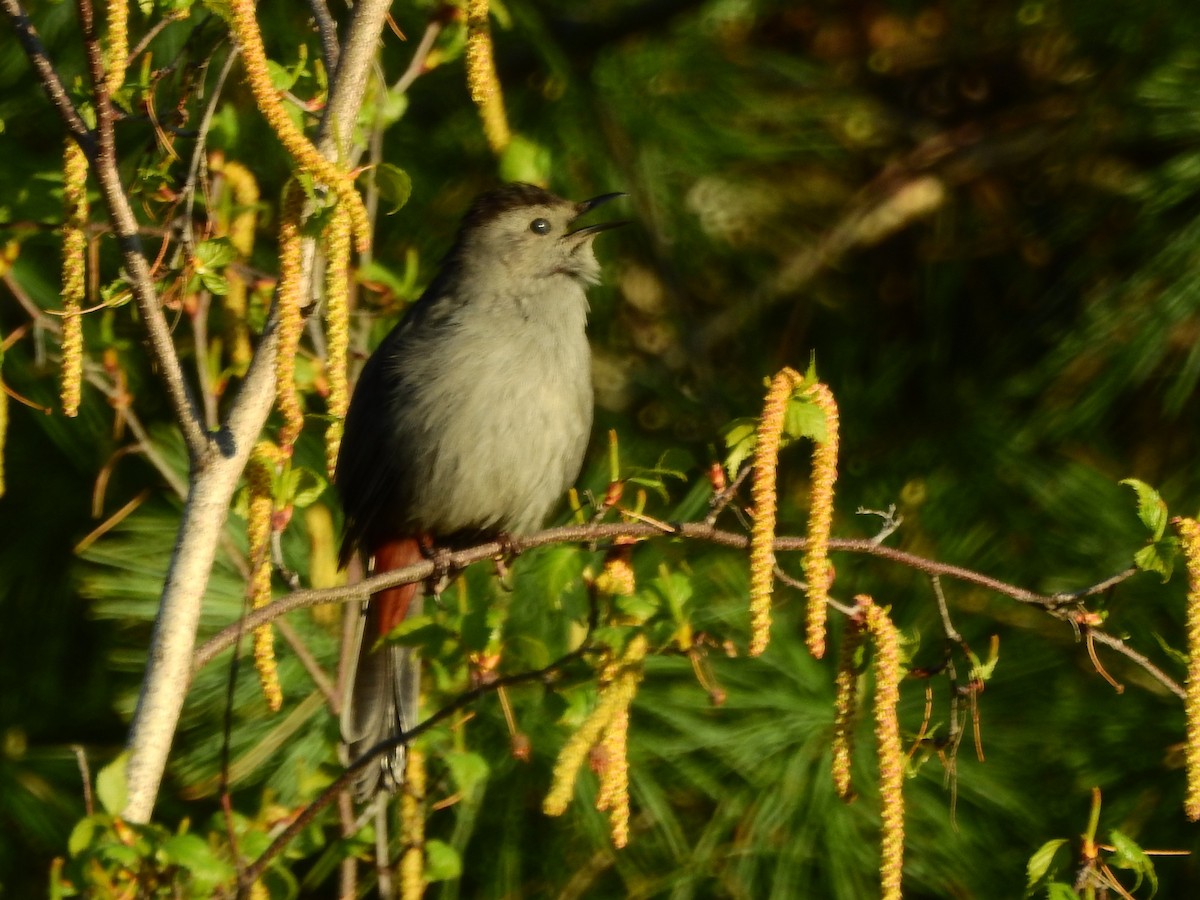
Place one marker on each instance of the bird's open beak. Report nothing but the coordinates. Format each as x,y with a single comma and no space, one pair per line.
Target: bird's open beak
586,207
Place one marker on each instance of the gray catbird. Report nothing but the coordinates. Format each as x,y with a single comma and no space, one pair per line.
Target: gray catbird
470,419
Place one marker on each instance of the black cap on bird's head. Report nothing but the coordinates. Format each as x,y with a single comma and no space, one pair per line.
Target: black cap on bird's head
527,231
519,195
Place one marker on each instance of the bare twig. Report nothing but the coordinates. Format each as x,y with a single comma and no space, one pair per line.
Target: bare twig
1055,605
311,666
416,65
947,626
173,644
545,675
889,521
197,163
125,227
154,31
85,777
47,75
331,51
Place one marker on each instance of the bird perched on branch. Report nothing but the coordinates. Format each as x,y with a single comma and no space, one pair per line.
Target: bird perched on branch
471,419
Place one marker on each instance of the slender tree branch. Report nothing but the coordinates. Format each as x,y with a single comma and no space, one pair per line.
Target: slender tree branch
416,66
1056,605
198,159
173,642
331,51
48,76
125,227
1108,640
154,31
545,675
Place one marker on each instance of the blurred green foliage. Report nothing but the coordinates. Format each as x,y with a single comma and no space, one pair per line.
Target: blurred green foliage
983,219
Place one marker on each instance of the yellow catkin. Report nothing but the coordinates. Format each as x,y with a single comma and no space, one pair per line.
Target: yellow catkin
254,57
887,739
289,300
337,327
117,54
615,698
617,578
239,226
1189,534
613,795
260,471
845,708
412,827
3,418
75,210
482,79
762,534
818,572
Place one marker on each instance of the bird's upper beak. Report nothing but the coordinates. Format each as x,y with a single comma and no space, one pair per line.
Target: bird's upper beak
586,207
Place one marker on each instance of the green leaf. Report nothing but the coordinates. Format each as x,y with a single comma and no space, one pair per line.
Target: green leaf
215,253
640,606
1159,557
193,853
740,437
1152,510
525,160
84,833
283,78
1129,855
804,419
466,769
215,283
442,861
1174,652
307,487
111,788
394,184
1039,863
1056,890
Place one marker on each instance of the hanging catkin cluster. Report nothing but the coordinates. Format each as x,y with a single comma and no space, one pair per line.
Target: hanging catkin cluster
239,226
337,327
482,79
766,502
845,707
412,827
1189,538
817,569
606,730
289,302
75,216
260,477
258,76
888,671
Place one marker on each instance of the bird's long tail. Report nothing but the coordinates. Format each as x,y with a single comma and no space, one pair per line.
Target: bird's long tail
382,694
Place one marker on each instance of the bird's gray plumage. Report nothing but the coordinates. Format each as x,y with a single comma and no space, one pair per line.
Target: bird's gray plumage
472,416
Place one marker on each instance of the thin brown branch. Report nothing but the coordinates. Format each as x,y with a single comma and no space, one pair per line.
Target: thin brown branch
211,489
311,666
416,65
125,227
545,675
47,75
331,50
1115,643
154,31
586,534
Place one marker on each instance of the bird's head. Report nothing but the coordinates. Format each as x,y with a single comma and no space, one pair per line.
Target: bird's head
520,233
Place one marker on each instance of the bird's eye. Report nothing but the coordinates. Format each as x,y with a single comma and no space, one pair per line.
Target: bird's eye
540,226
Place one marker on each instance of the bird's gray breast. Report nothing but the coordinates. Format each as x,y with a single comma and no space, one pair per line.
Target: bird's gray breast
501,408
